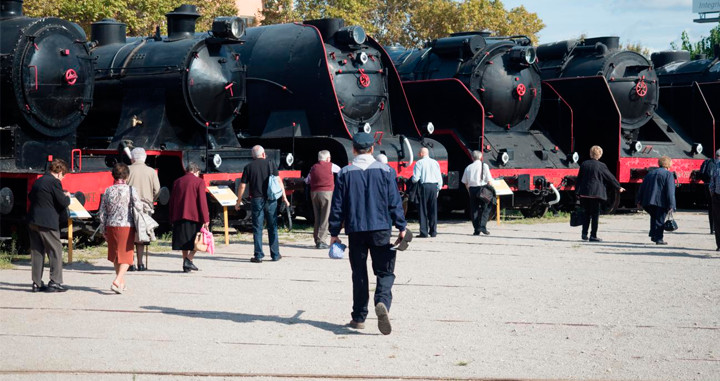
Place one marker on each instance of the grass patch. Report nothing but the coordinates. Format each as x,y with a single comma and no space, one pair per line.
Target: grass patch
462,363
515,217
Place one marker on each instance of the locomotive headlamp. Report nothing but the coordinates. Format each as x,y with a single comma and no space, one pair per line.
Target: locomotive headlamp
430,128
217,161
163,196
504,158
7,200
362,58
523,55
367,128
636,146
351,35
228,27
574,157
697,148
289,159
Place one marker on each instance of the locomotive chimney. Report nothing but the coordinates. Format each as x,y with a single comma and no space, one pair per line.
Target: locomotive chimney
326,27
10,9
107,31
181,22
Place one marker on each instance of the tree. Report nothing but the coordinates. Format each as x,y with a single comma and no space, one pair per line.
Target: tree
410,22
141,16
706,45
636,47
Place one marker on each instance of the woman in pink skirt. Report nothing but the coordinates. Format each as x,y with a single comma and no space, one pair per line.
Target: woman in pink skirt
118,204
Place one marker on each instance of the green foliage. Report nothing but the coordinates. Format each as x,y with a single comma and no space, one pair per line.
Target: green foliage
410,22
141,16
706,45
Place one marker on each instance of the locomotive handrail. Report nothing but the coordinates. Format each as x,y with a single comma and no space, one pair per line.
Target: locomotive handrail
406,142
270,82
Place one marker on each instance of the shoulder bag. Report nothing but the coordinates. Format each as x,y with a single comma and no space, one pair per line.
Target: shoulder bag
274,191
487,192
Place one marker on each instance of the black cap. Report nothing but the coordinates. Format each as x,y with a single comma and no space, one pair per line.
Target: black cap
363,140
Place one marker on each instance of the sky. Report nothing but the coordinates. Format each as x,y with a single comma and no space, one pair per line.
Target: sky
652,23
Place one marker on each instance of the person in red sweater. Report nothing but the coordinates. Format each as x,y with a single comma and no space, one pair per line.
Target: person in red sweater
322,183
188,213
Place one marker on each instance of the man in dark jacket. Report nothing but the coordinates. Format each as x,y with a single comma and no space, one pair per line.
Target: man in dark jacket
47,202
366,200
657,197
592,180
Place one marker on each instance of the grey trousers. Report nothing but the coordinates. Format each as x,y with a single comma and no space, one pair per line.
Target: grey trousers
321,210
45,241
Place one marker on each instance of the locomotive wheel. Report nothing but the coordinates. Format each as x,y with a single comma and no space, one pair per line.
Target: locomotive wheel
612,203
534,211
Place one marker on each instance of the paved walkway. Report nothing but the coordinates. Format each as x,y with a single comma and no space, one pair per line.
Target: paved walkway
530,301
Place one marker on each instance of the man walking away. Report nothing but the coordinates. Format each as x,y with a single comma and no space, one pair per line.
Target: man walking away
145,181
428,177
475,176
366,200
322,183
255,176
715,197
707,171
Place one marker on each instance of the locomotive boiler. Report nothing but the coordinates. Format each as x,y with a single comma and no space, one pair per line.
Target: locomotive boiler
175,95
485,93
312,86
47,90
614,94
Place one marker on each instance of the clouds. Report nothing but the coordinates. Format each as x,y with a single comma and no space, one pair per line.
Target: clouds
652,23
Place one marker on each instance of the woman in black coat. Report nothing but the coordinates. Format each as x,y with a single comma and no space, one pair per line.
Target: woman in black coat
592,179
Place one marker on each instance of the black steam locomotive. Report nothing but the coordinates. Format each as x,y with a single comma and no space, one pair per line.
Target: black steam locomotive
175,95
312,86
614,95
484,93
691,88
47,90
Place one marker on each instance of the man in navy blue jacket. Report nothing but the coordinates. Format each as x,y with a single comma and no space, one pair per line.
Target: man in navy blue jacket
367,201
657,197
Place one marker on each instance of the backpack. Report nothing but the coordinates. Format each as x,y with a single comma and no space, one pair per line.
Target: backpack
706,170
274,191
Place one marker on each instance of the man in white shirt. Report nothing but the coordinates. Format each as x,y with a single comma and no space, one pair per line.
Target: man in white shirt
428,177
477,175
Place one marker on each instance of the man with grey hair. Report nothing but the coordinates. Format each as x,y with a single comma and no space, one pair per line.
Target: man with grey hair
255,177
476,176
322,183
145,180
428,177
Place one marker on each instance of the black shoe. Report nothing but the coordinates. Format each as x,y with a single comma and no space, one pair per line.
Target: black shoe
477,232
256,260
718,249
422,235
279,257
595,239
40,288
485,231
584,237
142,268
132,268
189,264
660,242
433,235
55,287
322,245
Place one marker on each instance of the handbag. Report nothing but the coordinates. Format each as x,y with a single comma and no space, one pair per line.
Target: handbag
200,244
670,224
274,191
577,217
486,194
144,224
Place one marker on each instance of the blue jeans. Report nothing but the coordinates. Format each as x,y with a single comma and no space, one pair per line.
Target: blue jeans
263,209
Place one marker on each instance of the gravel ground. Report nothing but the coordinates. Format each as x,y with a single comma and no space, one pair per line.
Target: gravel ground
530,301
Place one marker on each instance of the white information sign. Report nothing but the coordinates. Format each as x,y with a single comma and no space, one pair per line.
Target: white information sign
77,210
705,6
223,195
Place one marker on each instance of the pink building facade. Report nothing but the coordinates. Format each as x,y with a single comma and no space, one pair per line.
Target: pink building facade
249,10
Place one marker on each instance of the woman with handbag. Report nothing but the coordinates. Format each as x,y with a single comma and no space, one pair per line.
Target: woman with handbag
188,213
592,180
477,180
118,207
657,197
